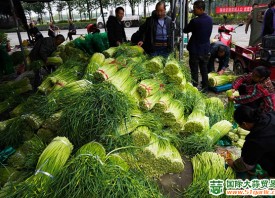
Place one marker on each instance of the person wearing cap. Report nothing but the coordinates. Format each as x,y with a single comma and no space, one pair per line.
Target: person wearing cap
221,52
91,28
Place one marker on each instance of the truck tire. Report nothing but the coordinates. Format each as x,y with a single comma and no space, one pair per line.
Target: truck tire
238,68
100,25
127,24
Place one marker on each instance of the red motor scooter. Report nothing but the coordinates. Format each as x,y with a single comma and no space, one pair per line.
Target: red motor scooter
224,33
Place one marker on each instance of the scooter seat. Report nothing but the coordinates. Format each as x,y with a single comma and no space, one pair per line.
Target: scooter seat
268,56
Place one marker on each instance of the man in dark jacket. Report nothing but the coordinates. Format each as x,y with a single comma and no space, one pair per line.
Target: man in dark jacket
199,44
155,33
222,53
42,50
259,146
269,24
115,28
72,30
34,33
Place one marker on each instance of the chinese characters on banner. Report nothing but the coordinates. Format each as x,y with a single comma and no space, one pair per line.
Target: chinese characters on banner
231,9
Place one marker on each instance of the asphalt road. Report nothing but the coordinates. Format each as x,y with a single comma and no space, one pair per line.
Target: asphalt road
239,37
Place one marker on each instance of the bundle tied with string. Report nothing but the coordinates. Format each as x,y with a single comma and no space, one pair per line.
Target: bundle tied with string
149,87
50,162
97,174
197,121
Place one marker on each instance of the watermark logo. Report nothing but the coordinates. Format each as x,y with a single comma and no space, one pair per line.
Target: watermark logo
216,187
238,187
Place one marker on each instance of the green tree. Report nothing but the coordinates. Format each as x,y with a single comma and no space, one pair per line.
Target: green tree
27,9
71,6
50,11
38,8
60,6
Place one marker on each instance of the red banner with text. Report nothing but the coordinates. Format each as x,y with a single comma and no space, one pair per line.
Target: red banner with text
231,9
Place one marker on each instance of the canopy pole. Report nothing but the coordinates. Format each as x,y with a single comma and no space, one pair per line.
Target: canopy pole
18,32
102,14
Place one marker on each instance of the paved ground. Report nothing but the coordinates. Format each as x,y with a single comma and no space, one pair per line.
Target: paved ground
239,37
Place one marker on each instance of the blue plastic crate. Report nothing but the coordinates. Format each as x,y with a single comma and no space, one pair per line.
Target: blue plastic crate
221,88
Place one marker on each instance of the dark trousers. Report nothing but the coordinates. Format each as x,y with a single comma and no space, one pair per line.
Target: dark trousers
160,51
70,34
211,63
196,63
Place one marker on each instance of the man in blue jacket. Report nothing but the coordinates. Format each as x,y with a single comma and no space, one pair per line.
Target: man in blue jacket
199,44
222,53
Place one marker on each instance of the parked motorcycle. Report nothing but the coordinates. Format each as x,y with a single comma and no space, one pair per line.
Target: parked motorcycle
224,33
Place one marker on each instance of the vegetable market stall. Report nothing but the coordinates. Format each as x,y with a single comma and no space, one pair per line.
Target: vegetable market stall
122,121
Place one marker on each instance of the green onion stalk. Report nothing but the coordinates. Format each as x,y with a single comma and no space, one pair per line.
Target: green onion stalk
159,157
95,114
33,120
5,172
149,87
32,148
197,121
61,77
172,67
214,110
212,74
46,135
141,136
121,78
53,122
129,51
92,173
7,104
18,110
50,162
127,86
189,97
218,130
109,53
14,88
95,62
149,102
207,166
66,96
11,131
221,80
196,143
108,61
140,71
174,114
178,79
144,119
105,72
155,64
163,103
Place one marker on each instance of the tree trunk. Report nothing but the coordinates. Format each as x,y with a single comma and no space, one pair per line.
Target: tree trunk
41,18
133,9
59,16
144,8
70,11
50,11
209,6
88,9
80,15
